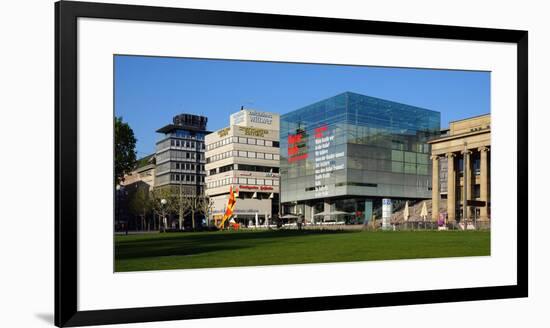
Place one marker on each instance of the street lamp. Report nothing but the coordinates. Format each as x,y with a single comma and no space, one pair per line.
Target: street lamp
163,223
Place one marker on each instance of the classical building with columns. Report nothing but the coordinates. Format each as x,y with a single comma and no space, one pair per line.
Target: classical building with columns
461,164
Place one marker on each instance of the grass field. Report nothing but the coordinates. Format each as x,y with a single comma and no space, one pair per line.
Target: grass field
251,248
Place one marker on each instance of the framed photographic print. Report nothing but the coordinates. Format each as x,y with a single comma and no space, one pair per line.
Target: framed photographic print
214,163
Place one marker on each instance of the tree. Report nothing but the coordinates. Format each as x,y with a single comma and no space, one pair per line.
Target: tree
187,202
202,205
140,203
125,149
192,204
183,205
157,195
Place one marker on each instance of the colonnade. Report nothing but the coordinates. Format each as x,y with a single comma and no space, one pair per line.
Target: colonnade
452,181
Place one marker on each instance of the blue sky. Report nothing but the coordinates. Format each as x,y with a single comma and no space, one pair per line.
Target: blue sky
149,91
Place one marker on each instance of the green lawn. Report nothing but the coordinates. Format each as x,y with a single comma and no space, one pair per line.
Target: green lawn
250,248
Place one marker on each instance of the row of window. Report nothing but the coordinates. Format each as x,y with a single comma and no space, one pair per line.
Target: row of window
179,155
244,167
242,153
242,140
186,134
243,181
186,177
189,166
186,144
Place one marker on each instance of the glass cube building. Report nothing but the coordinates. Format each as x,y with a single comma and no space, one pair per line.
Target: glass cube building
346,153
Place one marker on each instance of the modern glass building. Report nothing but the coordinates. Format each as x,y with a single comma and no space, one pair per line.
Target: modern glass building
341,156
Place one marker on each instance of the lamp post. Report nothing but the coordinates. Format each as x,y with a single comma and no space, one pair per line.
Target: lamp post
162,203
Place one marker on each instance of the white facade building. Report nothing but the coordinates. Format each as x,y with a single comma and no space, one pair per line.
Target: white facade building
245,156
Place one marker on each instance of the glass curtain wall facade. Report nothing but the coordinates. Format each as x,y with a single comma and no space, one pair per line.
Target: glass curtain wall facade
351,148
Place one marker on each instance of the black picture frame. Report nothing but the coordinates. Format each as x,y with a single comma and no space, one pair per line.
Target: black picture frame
66,15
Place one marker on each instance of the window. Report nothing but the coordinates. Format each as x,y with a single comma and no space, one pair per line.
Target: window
276,157
242,153
251,154
187,155
242,180
410,157
226,168
268,156
275,144
477,191
260,181
397,144
260,142
269,143
476,165
275,182
177,166
251,141
251,181
242,140
268,182
260,155
172,142
397,155
192,166
397,167
410,168
422,169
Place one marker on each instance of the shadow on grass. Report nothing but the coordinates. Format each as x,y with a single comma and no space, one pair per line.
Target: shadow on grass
185,244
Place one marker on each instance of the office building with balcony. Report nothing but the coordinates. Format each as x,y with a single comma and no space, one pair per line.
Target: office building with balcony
340,157
245,157
180,160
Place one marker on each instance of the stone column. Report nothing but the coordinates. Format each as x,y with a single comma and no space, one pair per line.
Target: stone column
466,182
327,208
308,213
435,187
451,187
484,183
